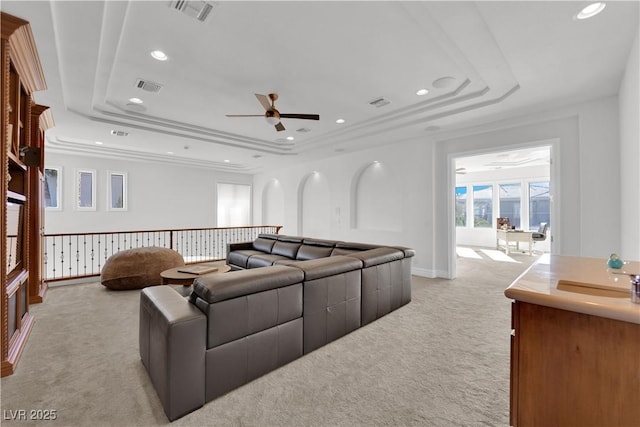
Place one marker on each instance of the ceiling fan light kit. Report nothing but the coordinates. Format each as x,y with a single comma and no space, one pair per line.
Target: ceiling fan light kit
272,115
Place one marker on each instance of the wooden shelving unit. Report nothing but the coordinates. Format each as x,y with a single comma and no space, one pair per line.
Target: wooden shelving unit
21,183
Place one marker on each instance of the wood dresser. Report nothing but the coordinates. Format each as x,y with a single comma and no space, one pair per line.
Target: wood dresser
575,345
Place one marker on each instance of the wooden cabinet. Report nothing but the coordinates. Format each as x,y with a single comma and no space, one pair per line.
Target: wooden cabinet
22,134
573,369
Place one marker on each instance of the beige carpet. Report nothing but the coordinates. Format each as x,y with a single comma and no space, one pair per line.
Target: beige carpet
442,360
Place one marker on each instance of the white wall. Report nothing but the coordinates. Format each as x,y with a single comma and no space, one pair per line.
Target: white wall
585,151
349,180
160,196
629,102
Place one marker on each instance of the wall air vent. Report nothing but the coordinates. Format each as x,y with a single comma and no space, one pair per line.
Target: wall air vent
380,101
197,9
148,85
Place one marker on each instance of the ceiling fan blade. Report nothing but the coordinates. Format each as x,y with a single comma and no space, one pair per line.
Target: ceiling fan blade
280,127
300,116
244,115
264,101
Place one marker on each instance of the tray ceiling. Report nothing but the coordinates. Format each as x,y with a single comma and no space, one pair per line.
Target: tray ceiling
480,61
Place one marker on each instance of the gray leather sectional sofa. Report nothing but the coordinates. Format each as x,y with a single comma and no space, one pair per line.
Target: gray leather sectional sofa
285,296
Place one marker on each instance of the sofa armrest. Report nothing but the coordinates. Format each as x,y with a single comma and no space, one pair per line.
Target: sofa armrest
239,246
408,252
173,338
378,256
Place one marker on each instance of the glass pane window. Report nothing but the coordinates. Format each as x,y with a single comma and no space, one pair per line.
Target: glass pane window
234,205
117,191
461,206
539,204
510,195
86,185
482,206
52,188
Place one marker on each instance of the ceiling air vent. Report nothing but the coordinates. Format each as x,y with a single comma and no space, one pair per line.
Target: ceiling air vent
380,101
303,130
119,133
197,9
148,85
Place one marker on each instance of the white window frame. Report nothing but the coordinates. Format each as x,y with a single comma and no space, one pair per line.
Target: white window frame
58,206
472,214
110,206
79,172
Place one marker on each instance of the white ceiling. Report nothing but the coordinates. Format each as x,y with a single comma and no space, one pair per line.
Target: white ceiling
520,158
330,58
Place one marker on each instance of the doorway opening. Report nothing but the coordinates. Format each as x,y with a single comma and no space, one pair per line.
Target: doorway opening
503,203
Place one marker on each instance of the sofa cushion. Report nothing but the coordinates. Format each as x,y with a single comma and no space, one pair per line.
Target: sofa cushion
286,249
220,287
307,251
263,244
290,239
319,242
241,257
356,246
346,248
264,260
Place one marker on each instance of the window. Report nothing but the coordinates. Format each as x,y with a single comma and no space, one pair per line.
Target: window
539,204
86,190
117,191
52,188
461,206
482,206
234,205
510,195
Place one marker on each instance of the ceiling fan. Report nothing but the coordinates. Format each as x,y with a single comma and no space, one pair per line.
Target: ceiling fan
272,115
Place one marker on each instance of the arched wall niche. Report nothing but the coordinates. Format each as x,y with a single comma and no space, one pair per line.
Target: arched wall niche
314,207
273,203
376,199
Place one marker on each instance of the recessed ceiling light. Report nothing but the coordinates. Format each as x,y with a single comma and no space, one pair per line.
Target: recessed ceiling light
136,100
159,55
340,121
227,161
99,142
290,138
591,10
422,92
169,152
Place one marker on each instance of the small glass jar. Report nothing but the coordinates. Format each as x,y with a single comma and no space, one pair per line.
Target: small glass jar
614,261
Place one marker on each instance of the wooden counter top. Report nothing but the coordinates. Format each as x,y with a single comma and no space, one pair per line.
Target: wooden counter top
578,284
